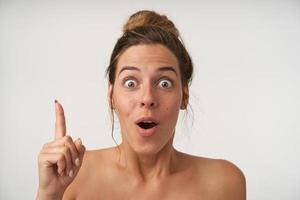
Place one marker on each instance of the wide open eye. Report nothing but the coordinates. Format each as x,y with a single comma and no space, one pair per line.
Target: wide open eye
165,83
130,83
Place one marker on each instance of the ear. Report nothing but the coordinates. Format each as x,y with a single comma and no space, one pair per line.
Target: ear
185,98
110,96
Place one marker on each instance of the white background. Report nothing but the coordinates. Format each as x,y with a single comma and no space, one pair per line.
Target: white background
245,94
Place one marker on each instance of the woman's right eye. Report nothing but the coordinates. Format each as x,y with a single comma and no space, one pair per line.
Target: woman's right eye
130,83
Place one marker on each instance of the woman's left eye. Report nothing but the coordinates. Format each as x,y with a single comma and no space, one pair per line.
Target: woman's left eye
165,83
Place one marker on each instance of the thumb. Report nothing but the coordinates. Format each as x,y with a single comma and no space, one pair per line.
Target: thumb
80,148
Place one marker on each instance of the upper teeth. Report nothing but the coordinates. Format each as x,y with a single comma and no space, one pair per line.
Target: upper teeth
147,121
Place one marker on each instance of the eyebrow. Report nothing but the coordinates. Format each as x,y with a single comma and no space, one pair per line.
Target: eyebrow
165,68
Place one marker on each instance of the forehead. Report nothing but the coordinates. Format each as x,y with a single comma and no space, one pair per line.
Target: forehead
148,56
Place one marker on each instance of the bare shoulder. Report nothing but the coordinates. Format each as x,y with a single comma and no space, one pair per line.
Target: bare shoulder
226,179
220,178
96,159
92,168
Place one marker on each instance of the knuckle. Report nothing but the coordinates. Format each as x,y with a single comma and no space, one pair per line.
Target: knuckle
61,158
45,146
40,158
73,150
68,139
48,144
61,163
41,151
65,150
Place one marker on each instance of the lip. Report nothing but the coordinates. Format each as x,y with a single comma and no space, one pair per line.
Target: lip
146,119
146,132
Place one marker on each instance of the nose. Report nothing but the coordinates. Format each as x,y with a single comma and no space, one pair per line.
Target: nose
148,98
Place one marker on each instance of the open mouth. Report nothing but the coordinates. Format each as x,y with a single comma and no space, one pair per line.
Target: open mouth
146,124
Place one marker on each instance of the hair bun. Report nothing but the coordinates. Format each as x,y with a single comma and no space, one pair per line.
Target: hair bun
150,18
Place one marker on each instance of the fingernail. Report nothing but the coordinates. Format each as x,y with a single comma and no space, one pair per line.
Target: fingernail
80,141
60,172
77,162
55,101
71,173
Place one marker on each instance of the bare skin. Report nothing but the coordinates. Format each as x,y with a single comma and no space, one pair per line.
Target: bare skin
187,177
59,160
142,167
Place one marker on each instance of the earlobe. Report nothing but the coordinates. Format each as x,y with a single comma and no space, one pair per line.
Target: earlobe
111,103
185,98
110,96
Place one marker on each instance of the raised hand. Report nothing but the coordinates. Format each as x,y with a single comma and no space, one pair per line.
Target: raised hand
59,160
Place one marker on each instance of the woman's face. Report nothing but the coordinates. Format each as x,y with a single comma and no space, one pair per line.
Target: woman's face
147,96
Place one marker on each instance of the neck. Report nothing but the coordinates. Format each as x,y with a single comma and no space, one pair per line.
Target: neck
149,166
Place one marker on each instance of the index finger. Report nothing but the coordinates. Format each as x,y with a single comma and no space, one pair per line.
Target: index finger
60,122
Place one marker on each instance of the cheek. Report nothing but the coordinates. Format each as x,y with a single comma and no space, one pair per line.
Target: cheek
172,106
123,105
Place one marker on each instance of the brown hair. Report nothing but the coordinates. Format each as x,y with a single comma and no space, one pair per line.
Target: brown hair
149,27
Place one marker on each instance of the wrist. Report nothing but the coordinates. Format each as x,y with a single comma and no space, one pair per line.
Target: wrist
43,195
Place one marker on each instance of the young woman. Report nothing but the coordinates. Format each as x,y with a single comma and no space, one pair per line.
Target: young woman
149,76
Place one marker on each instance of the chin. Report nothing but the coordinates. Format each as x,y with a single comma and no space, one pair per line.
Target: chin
149,145
147,149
